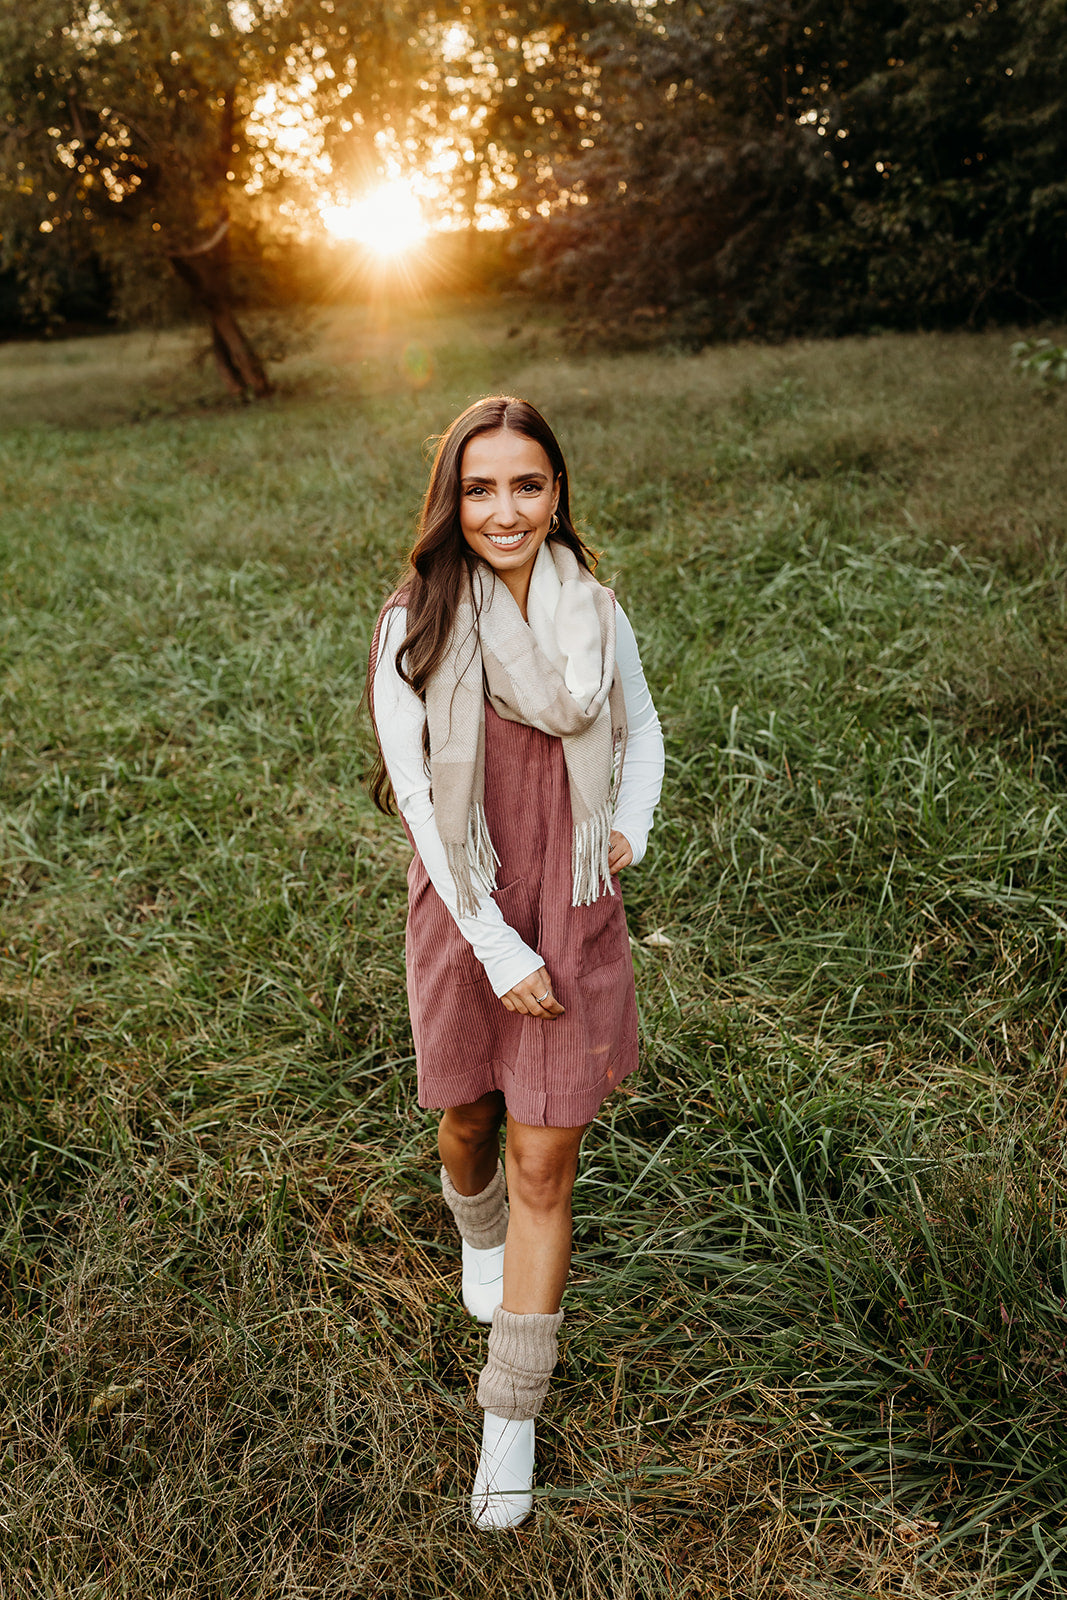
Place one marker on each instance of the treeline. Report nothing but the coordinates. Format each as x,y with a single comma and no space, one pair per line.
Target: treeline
825,167
669,169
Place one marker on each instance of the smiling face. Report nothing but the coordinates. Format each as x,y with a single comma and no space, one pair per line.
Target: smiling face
507,495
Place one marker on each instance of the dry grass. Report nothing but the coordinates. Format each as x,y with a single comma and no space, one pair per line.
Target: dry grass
252,1377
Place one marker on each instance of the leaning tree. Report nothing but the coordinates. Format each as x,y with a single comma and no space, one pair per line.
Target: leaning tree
161,137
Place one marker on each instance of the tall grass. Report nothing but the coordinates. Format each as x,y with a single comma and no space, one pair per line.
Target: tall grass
814,1342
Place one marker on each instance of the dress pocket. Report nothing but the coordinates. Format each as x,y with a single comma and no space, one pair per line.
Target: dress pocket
517,908
440,956
608,1025
601,931
441,945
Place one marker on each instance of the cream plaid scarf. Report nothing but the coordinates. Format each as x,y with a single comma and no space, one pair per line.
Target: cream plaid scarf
556,673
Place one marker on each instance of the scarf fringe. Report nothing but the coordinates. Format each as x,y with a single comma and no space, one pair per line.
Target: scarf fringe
590,854
618,752
473,865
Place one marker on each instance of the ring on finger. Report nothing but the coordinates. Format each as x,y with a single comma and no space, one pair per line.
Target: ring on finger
540,997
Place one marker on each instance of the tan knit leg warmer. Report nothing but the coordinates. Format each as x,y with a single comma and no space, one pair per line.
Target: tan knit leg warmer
522,1352
482,1219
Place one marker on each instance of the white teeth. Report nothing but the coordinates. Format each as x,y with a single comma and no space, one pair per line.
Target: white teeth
504,540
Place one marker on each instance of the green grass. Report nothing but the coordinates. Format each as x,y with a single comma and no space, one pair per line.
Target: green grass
815,1335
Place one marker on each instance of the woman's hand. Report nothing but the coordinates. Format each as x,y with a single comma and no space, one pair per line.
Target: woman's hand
533,996
619,852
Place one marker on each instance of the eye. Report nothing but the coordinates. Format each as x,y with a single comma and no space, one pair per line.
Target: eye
474,488
532,488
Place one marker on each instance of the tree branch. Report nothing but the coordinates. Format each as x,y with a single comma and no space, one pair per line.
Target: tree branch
209,244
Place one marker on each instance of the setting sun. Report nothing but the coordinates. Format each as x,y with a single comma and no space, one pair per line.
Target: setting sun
388,221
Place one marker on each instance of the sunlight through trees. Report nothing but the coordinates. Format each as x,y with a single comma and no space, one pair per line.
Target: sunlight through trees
672,170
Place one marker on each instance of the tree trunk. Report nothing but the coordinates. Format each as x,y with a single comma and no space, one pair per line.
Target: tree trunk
206,272
240,367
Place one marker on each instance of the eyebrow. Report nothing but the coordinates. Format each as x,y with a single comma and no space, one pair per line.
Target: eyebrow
520,477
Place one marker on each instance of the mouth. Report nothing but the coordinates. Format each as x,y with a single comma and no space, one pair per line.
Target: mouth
507,541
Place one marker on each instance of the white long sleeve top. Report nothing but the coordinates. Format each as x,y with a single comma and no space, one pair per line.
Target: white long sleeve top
400,716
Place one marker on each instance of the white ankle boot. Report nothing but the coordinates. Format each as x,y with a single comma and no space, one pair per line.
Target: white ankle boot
483,1280
503,1484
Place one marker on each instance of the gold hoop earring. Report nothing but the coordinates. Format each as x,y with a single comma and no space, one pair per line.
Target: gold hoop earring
553,523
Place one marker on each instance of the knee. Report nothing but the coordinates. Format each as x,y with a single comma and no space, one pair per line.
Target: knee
473,1127
541,1183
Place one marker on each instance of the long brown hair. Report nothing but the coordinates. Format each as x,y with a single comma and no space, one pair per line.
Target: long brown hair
441,560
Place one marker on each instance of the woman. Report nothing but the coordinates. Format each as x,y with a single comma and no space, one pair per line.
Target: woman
519,740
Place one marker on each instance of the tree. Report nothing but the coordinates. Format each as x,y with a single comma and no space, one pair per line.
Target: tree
163,137
815,165
954,203
532,87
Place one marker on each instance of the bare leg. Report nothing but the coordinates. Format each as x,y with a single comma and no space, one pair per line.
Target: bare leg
468,1140
541,1164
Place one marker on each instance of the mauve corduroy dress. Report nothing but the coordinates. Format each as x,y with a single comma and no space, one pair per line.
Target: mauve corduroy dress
554,1073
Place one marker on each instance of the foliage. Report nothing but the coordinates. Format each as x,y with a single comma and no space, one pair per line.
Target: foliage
1040,359
529,87
80,293
814,1340
138,133
685,170
760,169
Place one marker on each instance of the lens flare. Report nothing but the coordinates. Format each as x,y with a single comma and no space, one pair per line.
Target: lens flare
416,364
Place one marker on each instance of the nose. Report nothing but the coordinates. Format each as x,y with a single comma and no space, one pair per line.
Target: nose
506,514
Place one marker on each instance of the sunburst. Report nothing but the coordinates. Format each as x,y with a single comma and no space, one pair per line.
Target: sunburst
388,221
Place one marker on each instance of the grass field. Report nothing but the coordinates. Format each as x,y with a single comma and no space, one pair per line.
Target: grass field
815,1341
